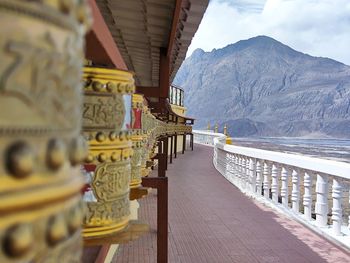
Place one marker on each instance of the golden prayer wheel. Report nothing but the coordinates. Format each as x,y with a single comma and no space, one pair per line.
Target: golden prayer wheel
149,128
107,128
41,45
146,131
137,140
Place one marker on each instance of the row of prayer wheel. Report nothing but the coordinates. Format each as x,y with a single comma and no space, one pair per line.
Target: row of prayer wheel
71,150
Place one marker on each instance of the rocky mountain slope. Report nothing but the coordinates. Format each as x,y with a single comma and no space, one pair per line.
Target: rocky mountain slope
261,87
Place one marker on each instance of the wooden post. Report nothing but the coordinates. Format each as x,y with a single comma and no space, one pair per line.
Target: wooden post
161,184
184,143
166,151
171,149
191,141
175,144
161,164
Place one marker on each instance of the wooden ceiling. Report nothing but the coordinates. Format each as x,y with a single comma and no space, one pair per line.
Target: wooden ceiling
142,28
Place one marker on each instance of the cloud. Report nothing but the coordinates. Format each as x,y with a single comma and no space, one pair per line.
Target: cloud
316,27
244,5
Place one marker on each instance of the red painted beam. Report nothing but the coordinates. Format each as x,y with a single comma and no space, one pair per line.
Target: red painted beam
174,24
148,91
100,45
164,74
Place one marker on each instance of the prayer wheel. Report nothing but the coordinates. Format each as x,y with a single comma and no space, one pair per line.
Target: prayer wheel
107,111
41,53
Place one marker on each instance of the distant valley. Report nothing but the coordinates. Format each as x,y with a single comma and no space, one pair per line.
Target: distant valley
261,87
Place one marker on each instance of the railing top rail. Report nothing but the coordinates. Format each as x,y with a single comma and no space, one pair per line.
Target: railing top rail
318,165
214,134
176,87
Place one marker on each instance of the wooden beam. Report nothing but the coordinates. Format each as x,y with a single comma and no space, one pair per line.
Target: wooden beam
148,91
100,45
164,74
174,24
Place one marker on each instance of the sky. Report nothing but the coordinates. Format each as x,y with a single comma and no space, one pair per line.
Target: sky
317,27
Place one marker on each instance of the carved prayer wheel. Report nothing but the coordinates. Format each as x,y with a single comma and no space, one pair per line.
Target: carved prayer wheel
137,140
144,170
41,45
149,128
107,128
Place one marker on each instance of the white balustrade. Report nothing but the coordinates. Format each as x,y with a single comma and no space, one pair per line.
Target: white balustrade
252,175
295,191
321,208
258,177
349,213
337,207
244,172
307,200
266,183
274,183
247,172
284,187
240,171
255,170
206,137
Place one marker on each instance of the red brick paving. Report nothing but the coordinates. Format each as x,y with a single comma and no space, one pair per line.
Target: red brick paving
211,221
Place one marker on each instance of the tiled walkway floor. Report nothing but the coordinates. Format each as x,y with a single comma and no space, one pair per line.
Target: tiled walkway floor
211,221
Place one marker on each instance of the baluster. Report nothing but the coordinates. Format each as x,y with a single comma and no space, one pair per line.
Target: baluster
247,178
230,166
295,191
222,158
337,212
274,184
236,169
252,175
243,175
239,171
266,183
284,188
307,200
246,172
232,161
215,157
258,177
349,205
321,207
227,165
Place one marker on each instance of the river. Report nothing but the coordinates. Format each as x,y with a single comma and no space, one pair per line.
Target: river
333,149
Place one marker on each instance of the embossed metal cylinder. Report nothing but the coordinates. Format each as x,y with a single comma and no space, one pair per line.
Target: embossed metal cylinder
144,157
107,128
41,46
137,140
149,129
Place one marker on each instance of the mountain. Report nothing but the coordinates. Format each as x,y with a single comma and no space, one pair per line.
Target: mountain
261,87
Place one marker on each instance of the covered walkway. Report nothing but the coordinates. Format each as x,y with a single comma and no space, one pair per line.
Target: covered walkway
210,220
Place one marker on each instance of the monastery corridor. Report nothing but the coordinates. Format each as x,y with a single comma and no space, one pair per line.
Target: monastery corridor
211,221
